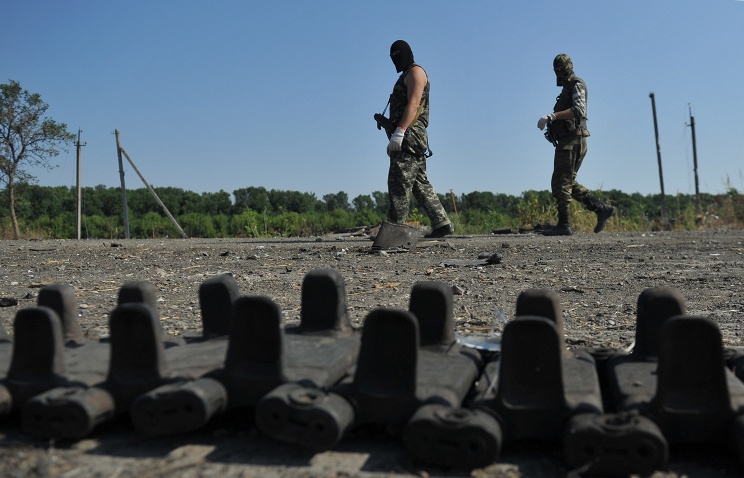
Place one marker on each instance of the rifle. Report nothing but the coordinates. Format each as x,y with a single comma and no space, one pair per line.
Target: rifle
384,122
549,134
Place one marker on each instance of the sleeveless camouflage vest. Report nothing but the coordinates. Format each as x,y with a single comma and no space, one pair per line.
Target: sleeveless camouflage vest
415,140
567,130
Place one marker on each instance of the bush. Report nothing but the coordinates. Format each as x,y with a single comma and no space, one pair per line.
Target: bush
153,226
101,227
48,212
197,225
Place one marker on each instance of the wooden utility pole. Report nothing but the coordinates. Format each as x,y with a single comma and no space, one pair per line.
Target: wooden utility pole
123,187
79,195
454,205
658,156
695,162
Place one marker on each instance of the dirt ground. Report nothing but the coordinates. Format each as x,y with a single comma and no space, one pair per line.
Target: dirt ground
598,278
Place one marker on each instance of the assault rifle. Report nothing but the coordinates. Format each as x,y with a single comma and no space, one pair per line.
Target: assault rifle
384,122
549,133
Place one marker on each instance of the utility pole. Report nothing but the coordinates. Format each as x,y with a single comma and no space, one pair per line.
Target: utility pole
123,187
454,205
695,162
658,156
79,195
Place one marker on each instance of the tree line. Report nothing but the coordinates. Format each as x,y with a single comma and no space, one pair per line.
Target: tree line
29,139
50,212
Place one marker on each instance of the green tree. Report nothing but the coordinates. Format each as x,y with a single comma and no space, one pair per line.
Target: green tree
102,201
382,202
197,225
339,200
217,203
362,202
141,201
98,226
27,139
255,198
153,225
299,202
34,201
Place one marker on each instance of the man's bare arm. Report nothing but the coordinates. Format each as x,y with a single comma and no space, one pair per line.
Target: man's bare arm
415,82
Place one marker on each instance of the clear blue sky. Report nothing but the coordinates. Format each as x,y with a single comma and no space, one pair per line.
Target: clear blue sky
227,94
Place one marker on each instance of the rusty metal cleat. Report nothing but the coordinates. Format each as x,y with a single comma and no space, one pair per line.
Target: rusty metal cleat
61,299
624,443
529,391
696,397
306,416
37,364
316,354
450,437
134,364
189,401
49,350
408,359
178,407
6,353
71,412
259,356
216,296
674,382
624,440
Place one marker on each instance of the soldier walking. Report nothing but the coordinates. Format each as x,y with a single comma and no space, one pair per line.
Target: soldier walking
409,145
568,132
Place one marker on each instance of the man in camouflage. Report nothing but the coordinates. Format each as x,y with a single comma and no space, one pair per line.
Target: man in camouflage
408,147
567,131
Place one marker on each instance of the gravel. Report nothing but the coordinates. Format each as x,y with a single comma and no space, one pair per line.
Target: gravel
597,276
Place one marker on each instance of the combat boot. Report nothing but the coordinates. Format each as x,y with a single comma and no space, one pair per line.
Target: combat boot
603,211
441,231
563,227
558,230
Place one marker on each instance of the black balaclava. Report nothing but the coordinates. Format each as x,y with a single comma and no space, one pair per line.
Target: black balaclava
401,54
563,67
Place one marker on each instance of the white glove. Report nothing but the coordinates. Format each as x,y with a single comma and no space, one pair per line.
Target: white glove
396,139
544,120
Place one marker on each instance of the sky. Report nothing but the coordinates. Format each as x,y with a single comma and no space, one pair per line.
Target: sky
221,95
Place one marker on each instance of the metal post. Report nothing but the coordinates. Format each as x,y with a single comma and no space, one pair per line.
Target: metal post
695,163
658,155
79,195
123,187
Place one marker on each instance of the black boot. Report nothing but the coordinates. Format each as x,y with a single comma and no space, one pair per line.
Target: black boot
603,212
563,227
603,215
441,231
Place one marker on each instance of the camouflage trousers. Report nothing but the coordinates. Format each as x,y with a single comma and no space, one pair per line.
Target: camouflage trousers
566,164
407,175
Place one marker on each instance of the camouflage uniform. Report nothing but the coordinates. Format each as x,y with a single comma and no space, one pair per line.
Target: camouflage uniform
571,148
569,137
407,173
